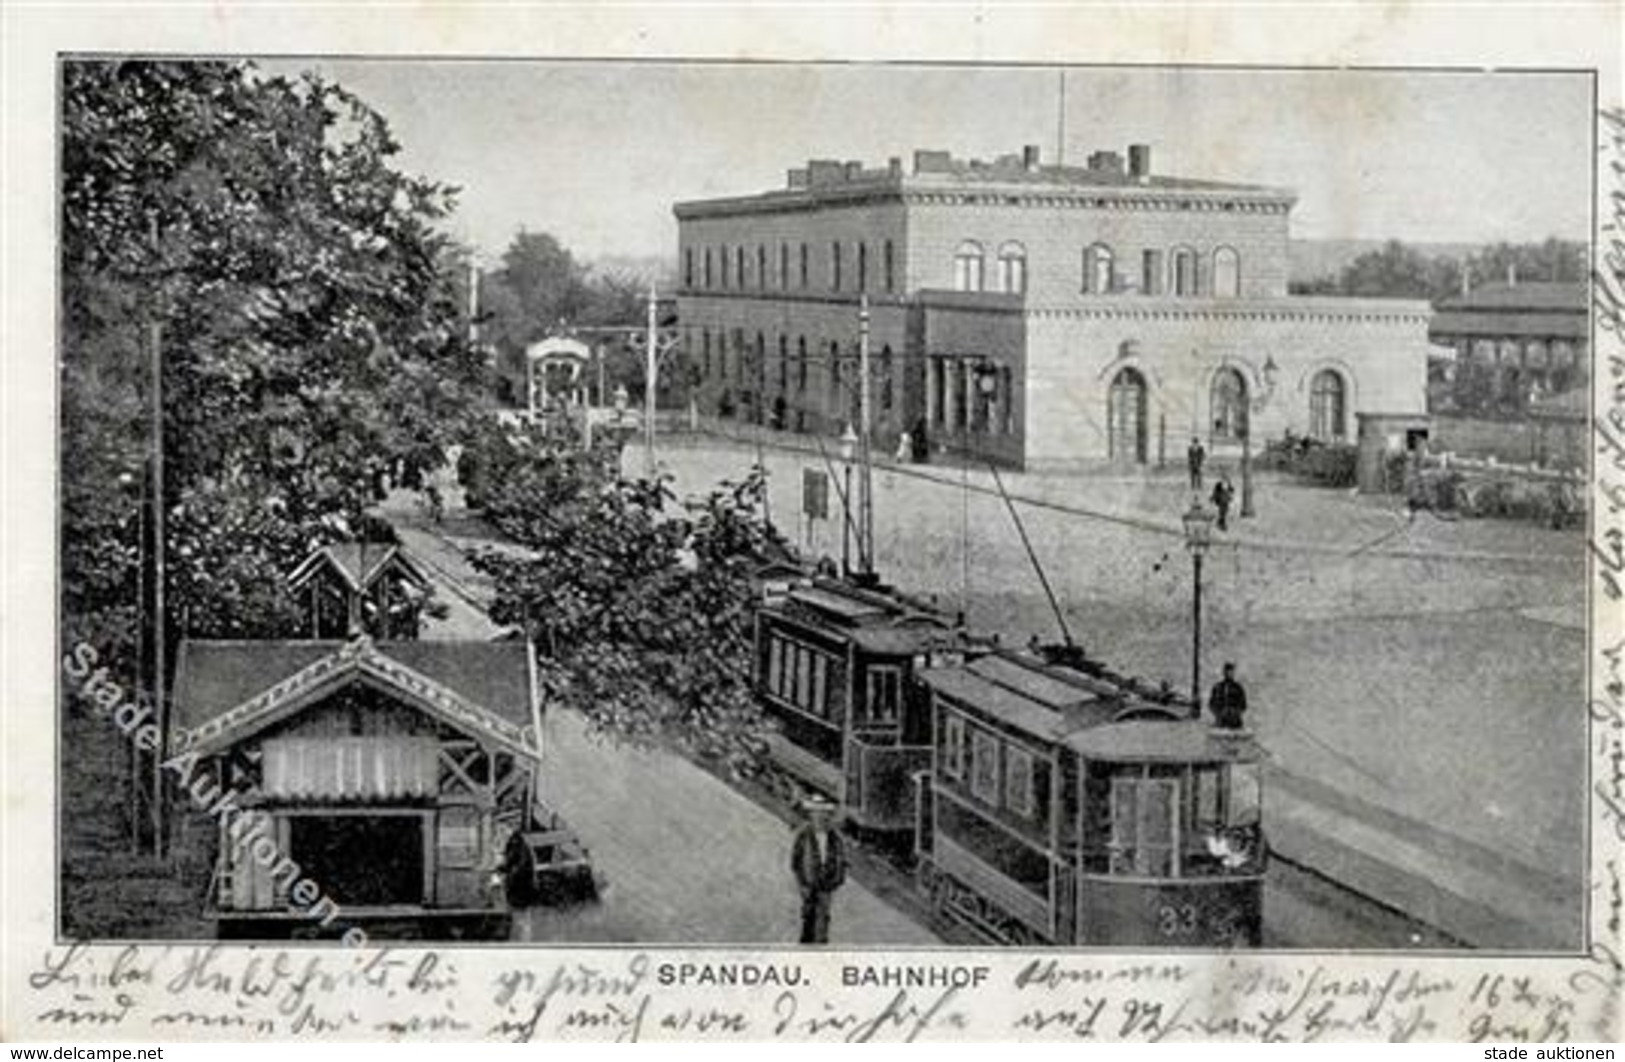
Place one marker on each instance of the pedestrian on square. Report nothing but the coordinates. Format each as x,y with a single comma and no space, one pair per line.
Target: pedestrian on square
1223,493
1228,700
818,861
920,443
1195,456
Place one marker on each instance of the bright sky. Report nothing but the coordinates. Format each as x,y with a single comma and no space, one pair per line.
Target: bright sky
596,153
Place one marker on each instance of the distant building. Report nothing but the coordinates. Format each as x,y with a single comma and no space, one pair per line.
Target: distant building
1040,316
1512,343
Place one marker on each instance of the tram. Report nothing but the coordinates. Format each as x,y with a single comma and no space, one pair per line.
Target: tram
836,669
1066,804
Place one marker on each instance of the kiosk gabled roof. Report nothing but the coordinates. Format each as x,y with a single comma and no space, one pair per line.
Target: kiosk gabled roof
358,565
226,691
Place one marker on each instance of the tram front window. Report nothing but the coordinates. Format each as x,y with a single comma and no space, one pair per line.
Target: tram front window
1171,821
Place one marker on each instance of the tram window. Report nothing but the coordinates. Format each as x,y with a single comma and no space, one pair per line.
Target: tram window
1209,813
881,694
1018,781
1246,794
953,746
1145,829
803,678
984,767
815,701
775,665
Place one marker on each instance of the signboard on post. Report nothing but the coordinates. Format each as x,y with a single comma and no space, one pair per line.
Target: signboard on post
815,493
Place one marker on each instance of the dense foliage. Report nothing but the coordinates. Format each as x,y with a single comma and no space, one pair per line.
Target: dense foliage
640,607
541,288
1398,270
252,228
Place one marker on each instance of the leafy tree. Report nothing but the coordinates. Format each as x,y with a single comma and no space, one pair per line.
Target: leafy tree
640,607
310,336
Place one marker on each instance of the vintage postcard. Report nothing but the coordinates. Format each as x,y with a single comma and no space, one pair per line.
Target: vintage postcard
566,524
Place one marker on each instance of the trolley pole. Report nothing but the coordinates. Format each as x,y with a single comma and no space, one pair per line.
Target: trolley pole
866,508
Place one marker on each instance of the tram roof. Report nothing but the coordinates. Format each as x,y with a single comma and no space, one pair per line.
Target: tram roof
840,606
1036,697
1044,710
1164,741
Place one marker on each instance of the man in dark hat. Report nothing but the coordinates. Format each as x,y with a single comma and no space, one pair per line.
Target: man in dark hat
1228,701
1195,456
819,862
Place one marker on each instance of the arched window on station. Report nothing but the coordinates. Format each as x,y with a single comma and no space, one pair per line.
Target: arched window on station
706,274
1099,270
1226,273
835,265
1327,406
968,267
1227,404
784,266
723,254
889,265
1126,408
1013,268
863,267
801,364
761,266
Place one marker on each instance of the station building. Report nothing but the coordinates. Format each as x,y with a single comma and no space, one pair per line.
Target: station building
1036,315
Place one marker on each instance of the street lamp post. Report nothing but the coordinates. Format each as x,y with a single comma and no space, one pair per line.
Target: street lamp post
849,442
1198,534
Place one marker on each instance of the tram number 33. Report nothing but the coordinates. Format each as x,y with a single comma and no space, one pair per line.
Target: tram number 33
1178,920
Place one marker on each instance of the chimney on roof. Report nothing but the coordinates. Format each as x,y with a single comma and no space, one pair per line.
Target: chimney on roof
894,166
823,171
1029,157
1139,161
1106,162
796,178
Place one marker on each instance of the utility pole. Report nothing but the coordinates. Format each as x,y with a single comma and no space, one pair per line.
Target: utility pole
1247,468
160,700
866,509
650,374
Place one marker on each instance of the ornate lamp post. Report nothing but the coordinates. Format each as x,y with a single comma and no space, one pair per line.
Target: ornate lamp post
849,445
1198,534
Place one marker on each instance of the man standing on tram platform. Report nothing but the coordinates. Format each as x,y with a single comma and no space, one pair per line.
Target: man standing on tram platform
1228,701
818,860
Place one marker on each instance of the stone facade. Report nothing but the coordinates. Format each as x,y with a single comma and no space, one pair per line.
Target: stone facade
1038,316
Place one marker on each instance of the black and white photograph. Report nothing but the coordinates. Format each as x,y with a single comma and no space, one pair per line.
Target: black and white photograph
922,504
577,524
